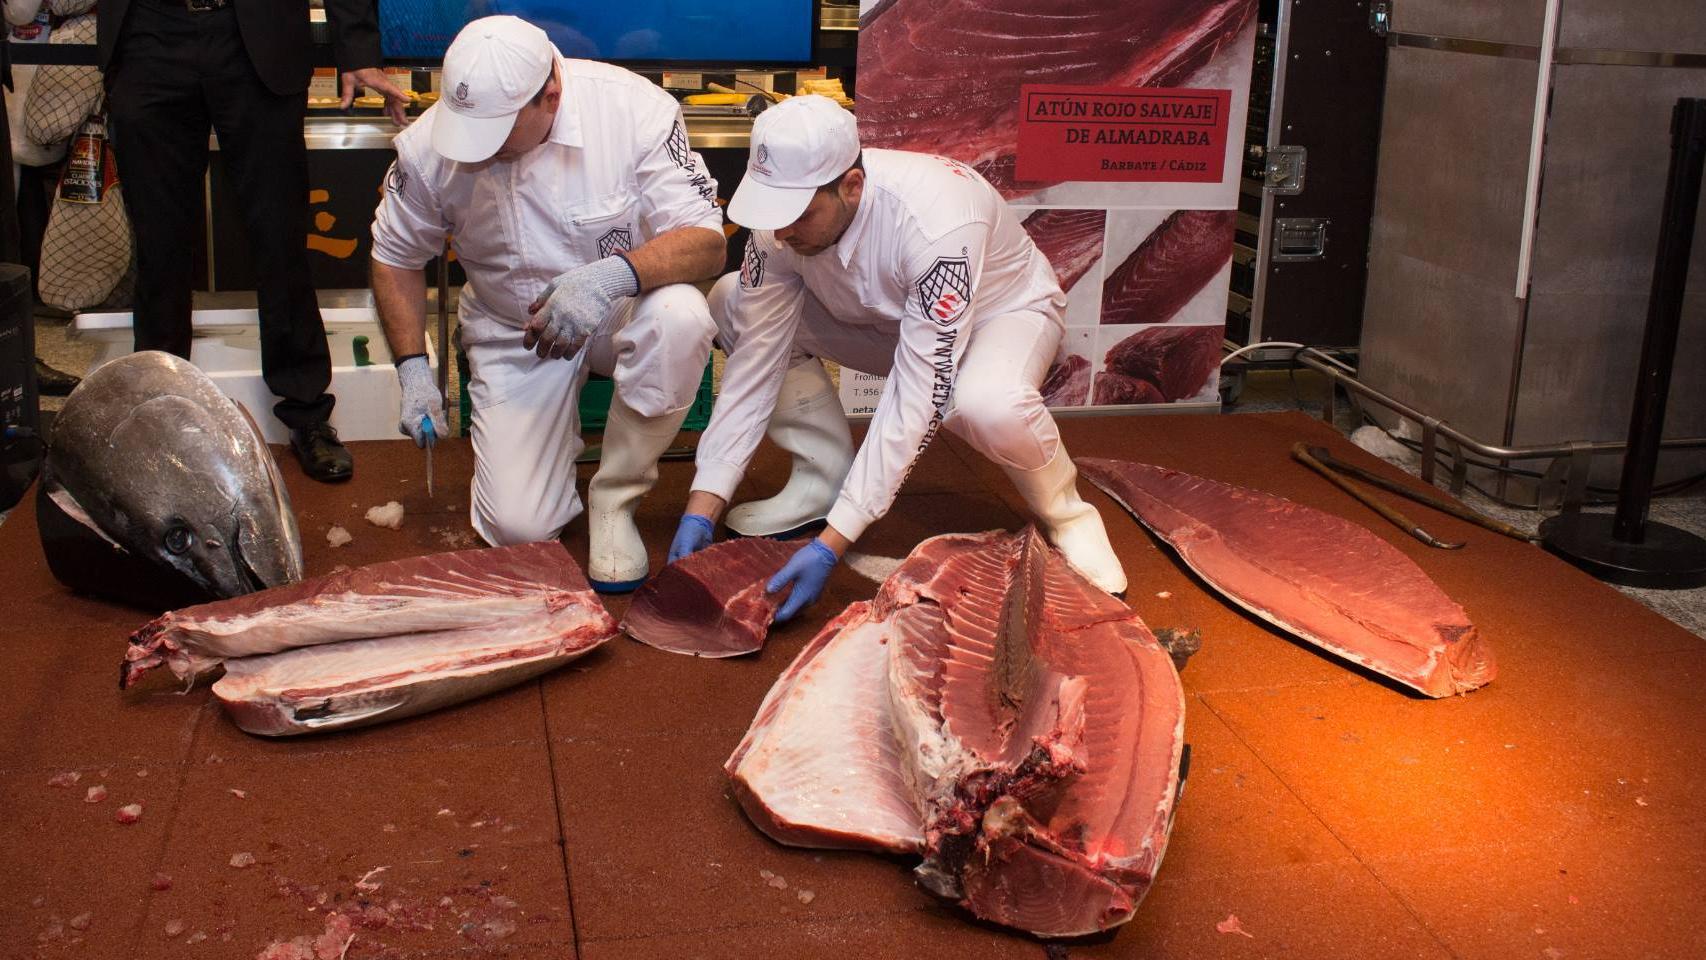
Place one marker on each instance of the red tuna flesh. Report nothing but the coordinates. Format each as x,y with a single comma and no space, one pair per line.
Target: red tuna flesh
993,712
943,76
1070,239
1312,574
1176,260
712,603
1160,364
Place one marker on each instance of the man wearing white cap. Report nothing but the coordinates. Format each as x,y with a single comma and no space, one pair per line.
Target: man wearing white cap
581,216
895,263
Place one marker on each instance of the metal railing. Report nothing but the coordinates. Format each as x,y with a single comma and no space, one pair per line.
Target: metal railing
1459,445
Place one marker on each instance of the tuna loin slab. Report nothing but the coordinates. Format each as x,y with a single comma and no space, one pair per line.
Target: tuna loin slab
384,641
712,603
996,714
1173,263
445,591
1320,577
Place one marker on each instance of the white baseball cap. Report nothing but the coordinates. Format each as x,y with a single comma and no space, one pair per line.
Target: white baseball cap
491,70
798,145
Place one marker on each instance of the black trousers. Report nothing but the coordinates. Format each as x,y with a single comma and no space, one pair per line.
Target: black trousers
175,74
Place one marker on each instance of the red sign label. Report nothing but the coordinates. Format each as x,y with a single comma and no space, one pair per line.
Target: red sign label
1172,135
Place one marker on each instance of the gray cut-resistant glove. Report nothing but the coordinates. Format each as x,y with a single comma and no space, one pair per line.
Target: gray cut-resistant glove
422,418
575,304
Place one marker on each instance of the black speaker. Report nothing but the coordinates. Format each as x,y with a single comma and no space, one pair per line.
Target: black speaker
21,444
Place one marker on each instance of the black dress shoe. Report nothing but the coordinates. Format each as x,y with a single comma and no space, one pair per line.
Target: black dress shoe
54,383
322,456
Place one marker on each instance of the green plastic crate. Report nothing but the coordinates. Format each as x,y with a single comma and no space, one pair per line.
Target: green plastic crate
595,400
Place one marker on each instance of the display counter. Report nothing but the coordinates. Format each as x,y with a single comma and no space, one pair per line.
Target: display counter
340,132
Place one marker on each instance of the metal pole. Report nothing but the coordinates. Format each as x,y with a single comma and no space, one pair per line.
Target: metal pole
1664,317
1626,548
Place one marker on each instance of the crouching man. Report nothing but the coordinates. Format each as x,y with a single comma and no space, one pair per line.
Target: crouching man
894,263
581,218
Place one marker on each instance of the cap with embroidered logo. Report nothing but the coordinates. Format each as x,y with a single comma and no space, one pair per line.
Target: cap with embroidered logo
798,145
492,69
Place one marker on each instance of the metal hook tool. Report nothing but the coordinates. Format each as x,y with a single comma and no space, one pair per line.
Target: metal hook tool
1441,504
1304,455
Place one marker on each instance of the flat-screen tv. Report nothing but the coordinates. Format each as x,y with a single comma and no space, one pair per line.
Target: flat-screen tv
756,32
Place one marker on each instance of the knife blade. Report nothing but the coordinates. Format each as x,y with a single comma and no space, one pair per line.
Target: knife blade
432,437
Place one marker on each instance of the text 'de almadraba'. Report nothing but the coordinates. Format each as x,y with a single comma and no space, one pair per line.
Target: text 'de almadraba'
1122,133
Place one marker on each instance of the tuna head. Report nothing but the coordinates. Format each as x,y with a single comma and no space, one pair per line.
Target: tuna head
149,454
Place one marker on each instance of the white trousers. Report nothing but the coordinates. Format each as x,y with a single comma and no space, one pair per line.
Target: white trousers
527,410
995,406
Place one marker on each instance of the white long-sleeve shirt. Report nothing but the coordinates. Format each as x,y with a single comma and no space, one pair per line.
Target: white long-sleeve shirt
931,250
615,171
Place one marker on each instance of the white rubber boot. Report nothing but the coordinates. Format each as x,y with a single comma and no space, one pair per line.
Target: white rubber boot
810,424
627,469
1070,524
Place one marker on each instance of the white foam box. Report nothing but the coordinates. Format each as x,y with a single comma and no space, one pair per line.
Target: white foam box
227,346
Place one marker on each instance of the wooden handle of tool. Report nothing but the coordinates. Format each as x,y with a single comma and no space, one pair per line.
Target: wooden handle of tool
1438,503
1300,452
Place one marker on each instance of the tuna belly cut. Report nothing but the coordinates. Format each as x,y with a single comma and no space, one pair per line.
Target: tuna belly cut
358,682
820,766
992,712
1320,577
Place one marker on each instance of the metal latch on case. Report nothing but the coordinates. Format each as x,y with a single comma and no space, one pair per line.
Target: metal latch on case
1283,175
1380,17
1299,238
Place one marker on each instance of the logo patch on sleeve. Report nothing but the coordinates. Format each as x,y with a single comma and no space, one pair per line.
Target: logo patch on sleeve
752,265
615,240
944,292
678,148
396,179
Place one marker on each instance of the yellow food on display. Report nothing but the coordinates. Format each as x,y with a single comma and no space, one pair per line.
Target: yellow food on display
830,88
715,99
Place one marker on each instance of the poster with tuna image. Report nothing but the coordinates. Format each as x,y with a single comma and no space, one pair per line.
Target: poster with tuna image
1116,133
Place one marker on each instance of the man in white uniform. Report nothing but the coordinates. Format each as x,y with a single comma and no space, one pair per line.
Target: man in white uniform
581,217
894,263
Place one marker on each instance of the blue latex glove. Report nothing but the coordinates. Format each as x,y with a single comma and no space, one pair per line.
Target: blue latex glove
575,304
691,536
807,570
422,418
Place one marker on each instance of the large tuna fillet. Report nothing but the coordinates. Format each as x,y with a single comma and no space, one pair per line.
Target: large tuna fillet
1169,267
712,603
1070,239
943,76
1160,364
1322,578
359,682
993,712
460,591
